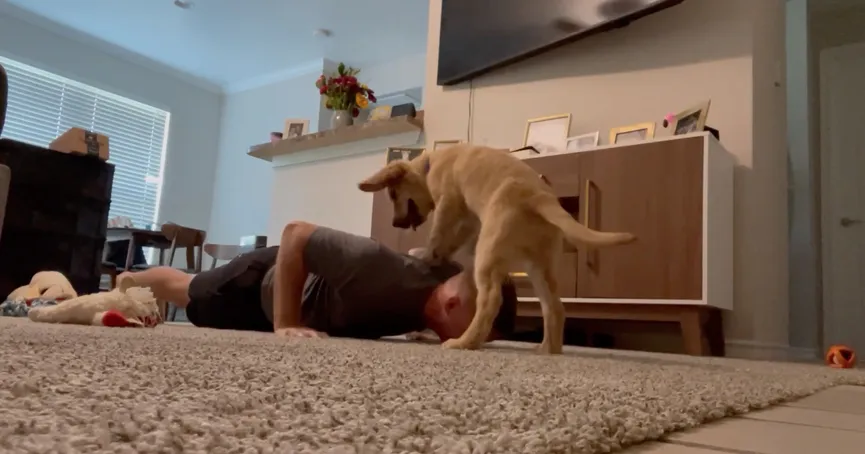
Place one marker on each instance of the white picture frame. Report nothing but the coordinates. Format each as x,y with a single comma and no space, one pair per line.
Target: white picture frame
295,128
440,144
637,133
547,133
402,153
583,142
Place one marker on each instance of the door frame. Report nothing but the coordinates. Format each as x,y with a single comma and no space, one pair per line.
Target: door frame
828,63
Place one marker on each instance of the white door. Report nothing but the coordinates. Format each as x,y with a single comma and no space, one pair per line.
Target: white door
842,111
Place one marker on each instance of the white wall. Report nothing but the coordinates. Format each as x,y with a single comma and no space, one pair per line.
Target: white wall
243,185
192,142
396,75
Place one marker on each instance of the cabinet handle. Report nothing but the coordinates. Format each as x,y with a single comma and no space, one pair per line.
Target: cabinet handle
591,254
588,204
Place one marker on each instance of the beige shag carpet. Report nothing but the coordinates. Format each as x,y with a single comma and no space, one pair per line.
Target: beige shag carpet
183,389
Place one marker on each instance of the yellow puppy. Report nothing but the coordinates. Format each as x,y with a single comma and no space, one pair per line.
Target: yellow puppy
486,199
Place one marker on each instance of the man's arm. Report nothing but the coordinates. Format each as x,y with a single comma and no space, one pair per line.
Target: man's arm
289,275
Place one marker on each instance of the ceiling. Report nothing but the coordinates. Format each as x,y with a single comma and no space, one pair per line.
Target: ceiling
229,42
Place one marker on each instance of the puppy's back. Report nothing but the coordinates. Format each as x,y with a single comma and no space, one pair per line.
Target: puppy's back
479,170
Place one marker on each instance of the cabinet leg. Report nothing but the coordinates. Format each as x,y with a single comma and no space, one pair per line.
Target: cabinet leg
715,333
692,321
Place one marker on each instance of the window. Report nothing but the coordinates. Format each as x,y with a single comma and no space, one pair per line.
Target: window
43,105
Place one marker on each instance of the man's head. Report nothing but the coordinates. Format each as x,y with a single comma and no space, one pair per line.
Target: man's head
451,308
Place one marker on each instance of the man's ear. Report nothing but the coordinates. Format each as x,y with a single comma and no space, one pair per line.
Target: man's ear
390,174
452,303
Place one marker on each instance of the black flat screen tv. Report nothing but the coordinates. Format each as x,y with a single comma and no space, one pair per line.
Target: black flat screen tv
478,36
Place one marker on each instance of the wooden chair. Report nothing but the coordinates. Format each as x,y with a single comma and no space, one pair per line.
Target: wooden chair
181,237
110,269
225,251
188,238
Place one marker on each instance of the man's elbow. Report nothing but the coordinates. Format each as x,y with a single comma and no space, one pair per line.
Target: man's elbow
296,234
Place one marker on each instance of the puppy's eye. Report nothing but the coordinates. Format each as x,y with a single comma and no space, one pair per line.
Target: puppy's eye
391,192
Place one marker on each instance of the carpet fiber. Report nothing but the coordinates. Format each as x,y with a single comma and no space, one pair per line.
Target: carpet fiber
183,389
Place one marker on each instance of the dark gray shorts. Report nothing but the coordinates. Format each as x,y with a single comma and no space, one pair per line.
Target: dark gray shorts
229,297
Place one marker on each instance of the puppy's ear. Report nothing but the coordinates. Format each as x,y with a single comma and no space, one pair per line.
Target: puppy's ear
390,174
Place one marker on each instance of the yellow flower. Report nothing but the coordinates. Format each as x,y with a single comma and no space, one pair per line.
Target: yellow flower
361,101
364,86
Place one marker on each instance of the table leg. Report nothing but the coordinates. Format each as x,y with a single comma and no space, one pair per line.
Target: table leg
130,253
161,256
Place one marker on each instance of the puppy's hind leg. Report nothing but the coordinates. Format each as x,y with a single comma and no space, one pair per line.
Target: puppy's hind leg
545,285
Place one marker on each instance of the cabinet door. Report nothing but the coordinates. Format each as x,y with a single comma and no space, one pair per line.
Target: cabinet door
382,229
560,171
655,191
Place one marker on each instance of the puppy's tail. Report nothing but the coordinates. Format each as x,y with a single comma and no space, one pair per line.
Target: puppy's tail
575,233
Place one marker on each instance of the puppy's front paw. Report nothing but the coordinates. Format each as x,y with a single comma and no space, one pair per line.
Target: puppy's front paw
434,258
458,344
547,348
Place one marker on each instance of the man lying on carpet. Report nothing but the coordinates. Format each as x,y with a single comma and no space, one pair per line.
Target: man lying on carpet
322,281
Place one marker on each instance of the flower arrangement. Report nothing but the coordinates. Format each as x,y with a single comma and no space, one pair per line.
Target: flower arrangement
343,91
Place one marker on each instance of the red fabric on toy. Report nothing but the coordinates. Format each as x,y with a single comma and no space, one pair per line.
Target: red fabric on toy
115,319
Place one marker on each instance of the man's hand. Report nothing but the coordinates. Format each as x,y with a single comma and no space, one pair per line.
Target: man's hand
299,331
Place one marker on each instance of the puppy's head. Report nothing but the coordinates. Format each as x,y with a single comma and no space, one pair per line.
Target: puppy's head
407,189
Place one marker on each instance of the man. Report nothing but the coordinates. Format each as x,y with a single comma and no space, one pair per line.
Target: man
321,281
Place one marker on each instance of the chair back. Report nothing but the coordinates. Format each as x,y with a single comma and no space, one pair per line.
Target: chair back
225,251
187,238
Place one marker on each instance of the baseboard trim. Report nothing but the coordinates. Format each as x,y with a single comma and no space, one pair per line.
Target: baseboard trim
747,349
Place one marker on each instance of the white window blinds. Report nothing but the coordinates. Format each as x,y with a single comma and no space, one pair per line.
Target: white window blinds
43,105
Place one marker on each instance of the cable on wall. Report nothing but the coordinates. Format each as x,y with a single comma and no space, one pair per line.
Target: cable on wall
471,118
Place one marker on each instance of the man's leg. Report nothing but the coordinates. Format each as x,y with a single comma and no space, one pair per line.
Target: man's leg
165,282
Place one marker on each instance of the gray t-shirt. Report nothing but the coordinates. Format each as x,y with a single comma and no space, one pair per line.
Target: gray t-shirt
360,288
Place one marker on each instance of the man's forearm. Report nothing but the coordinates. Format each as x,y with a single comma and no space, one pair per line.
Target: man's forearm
289,275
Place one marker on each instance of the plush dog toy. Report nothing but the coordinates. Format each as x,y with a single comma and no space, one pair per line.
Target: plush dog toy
46,285
125,306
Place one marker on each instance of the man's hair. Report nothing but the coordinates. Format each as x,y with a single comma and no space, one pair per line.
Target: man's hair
504,324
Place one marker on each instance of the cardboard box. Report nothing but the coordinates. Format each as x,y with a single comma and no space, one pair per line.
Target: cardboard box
81,141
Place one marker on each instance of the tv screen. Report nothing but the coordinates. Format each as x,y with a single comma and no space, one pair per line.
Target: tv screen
478,36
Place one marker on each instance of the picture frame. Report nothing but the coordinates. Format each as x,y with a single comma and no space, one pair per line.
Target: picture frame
549,132
406,153
439,144
632,133
295,127
691,120
583,142
379,113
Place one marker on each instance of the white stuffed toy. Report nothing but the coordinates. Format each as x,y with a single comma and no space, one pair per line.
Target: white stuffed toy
125,306
47,285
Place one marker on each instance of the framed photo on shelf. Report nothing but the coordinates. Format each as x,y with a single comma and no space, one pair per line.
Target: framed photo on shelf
547,133
439,144
295,127
379,113
404,153
582,142
633,133
691,120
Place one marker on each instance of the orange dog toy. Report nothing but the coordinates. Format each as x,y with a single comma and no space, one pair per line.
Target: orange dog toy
841,357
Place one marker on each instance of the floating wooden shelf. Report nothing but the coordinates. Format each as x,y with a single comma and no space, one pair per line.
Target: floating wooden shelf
340,136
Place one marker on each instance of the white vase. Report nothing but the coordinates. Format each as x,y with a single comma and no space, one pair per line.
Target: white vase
341,118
